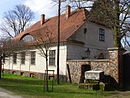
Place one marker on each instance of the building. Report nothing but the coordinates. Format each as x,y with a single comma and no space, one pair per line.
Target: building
80,39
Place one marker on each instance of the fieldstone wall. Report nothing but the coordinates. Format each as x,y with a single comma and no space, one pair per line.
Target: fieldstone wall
114,63
75,70
110,66
97,65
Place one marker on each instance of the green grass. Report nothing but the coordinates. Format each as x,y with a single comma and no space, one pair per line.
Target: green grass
33,88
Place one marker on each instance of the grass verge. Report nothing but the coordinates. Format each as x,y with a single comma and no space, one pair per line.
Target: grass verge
33,88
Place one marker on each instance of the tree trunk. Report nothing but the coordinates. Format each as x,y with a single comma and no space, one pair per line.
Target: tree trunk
0,67
116,28
46,73
117,39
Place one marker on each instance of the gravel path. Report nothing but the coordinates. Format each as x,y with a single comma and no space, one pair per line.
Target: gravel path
7,94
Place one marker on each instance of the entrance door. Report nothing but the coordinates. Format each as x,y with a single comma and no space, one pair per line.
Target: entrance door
126,71
84,68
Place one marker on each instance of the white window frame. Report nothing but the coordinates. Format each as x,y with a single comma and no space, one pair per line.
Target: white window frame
52,58
101,34
32,57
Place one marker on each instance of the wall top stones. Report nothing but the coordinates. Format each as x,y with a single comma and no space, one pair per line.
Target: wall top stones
90,60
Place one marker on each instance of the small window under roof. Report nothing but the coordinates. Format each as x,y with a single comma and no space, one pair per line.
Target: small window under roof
28,38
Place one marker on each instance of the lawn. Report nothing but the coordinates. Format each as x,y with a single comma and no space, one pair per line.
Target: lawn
33,88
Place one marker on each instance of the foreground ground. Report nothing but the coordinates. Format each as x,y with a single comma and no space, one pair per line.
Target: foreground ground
7,94
33,88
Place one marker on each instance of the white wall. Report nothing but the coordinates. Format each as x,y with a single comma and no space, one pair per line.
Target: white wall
40,62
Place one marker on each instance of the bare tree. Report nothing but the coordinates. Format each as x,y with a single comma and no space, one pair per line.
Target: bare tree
75,4
8,47
15,21
43,44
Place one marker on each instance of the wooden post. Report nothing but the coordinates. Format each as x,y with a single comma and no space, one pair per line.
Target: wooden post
58,46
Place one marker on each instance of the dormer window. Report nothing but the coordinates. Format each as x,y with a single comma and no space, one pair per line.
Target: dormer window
28,38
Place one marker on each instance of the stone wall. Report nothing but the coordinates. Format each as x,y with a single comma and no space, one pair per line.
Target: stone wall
111,66
75,67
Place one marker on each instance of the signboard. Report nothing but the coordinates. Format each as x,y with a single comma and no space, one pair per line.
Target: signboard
94,75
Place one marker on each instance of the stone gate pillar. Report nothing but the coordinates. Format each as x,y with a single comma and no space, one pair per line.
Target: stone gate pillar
115,63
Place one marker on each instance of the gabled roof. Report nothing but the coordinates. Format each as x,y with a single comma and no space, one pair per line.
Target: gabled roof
68,26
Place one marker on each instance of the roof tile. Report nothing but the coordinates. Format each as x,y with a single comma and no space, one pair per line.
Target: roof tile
68,26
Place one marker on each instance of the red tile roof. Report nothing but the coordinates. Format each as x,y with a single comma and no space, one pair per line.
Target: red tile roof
68,26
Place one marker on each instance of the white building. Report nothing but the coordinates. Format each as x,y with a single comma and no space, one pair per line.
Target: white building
80,39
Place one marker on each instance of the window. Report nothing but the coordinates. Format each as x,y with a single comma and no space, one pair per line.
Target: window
15,58
52,57
33,55
85,30
101,34
22,57
28,38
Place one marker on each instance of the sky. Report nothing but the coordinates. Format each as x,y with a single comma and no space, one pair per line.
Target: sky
47,7
39,7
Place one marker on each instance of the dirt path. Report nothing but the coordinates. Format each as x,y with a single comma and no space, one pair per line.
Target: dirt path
123,94
7,94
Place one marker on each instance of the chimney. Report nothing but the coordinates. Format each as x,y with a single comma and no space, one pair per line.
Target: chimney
42,19
68,11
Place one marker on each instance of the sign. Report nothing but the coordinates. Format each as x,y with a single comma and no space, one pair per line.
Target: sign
94,75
